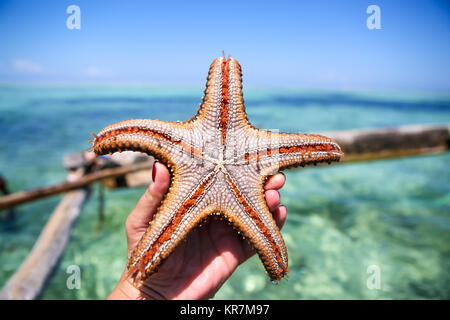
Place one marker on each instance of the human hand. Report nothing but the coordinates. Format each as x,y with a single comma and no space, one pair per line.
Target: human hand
200,265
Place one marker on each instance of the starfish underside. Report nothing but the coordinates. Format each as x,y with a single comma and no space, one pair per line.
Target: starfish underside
219,164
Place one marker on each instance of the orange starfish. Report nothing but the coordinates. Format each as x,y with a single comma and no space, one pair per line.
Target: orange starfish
219,164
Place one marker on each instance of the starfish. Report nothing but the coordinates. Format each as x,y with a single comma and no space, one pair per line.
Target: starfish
219,163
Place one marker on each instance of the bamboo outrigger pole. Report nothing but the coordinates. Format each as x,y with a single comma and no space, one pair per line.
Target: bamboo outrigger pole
27,282
29,195
367,145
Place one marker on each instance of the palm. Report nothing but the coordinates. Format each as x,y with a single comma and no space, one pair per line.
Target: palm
202,263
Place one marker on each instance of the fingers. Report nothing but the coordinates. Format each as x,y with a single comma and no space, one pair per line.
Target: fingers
272,199
273,202
142,214
280,214
275,182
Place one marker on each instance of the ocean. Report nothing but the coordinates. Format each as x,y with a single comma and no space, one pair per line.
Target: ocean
344,221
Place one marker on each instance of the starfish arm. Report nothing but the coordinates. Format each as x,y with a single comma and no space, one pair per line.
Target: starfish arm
275,151
236,115
167,141
181,210
224,89
208,115
248,211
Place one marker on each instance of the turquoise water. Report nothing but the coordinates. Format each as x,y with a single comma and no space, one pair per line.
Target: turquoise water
342,219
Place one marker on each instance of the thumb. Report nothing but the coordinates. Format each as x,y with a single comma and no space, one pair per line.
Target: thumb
147,205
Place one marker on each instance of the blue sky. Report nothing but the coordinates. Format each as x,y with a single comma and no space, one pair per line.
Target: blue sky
313,44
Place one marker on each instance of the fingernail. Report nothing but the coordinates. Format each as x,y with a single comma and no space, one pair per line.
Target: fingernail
154,171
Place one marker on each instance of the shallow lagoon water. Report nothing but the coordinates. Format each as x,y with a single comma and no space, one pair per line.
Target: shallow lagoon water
393,214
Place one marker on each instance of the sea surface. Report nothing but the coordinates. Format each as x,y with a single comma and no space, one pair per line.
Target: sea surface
346,223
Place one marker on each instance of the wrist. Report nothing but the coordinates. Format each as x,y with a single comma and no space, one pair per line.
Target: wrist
125,290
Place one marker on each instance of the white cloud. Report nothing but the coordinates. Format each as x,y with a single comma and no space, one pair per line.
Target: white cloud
26,66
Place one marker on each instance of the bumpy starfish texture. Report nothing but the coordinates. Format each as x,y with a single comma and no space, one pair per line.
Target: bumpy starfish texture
219,164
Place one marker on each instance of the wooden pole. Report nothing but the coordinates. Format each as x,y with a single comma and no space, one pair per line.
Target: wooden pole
28,281
377,144
29,195
101,206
